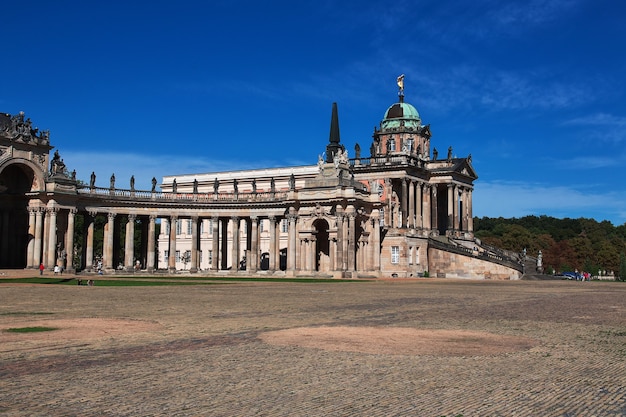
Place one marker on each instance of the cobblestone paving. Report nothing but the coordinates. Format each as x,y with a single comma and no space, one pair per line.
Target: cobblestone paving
207,360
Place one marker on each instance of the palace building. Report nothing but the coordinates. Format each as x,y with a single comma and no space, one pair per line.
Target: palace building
401,211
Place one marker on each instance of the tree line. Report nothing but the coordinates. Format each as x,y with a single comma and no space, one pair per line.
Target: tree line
566,244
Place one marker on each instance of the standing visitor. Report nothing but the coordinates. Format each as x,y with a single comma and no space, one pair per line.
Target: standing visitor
41,268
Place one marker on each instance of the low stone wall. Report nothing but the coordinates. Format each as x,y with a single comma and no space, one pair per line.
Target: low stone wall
443,264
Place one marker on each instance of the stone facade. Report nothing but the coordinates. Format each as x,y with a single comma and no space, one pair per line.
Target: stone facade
374,216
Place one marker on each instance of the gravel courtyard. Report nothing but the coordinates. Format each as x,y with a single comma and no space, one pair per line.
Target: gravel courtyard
426,347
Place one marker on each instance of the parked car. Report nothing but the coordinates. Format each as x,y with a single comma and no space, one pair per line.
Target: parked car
572,275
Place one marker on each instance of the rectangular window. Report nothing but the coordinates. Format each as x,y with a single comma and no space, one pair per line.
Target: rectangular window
210,227
189,227
417,255
177,256
210,258
284,226
381,219
179,224
261,222
201,226
395,254
166,255
410,255
167,227
200,257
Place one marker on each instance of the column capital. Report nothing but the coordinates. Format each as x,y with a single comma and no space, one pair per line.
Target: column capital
111,216
132,217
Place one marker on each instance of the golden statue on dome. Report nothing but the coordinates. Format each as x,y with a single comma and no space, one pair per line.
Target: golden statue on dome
400,82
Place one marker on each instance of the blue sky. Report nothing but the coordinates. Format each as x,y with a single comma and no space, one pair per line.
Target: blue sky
533,90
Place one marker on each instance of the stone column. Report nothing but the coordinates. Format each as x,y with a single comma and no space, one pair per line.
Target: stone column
339,265
312,255
426,206
351,238
300,255
450,223
194,244
38,238
69,240
376,240
273,244
89,235
253,256
291,250
129,243
235,247
434,208
332,253
44,238
403,204
52,237
456,211
110,229
150,255
171,261
411,223
470,215
30,250
143,255
419,205
215,243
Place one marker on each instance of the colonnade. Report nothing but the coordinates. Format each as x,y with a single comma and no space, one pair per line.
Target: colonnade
419,205
346,241
52,228
309,245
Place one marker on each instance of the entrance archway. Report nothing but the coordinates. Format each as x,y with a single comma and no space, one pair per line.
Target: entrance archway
322,247
15,181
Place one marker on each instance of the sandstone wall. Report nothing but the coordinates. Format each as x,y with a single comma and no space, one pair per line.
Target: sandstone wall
444,264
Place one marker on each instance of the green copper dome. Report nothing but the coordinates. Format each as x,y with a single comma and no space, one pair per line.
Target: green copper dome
399,113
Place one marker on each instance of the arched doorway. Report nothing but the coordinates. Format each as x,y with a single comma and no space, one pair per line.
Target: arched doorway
15,181
322,247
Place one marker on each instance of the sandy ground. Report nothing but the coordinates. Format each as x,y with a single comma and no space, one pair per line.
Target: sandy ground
388,348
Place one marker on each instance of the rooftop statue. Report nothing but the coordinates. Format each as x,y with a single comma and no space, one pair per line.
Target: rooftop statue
57,166
21,129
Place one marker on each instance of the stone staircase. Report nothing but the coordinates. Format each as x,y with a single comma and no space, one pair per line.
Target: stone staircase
531,274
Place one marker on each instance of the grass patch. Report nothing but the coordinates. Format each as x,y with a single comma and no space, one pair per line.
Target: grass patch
34,329
102,282
124,281
25,313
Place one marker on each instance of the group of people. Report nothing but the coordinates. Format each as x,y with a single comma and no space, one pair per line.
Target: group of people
58,270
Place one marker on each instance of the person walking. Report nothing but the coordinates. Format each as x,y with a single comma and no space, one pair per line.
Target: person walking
41,268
